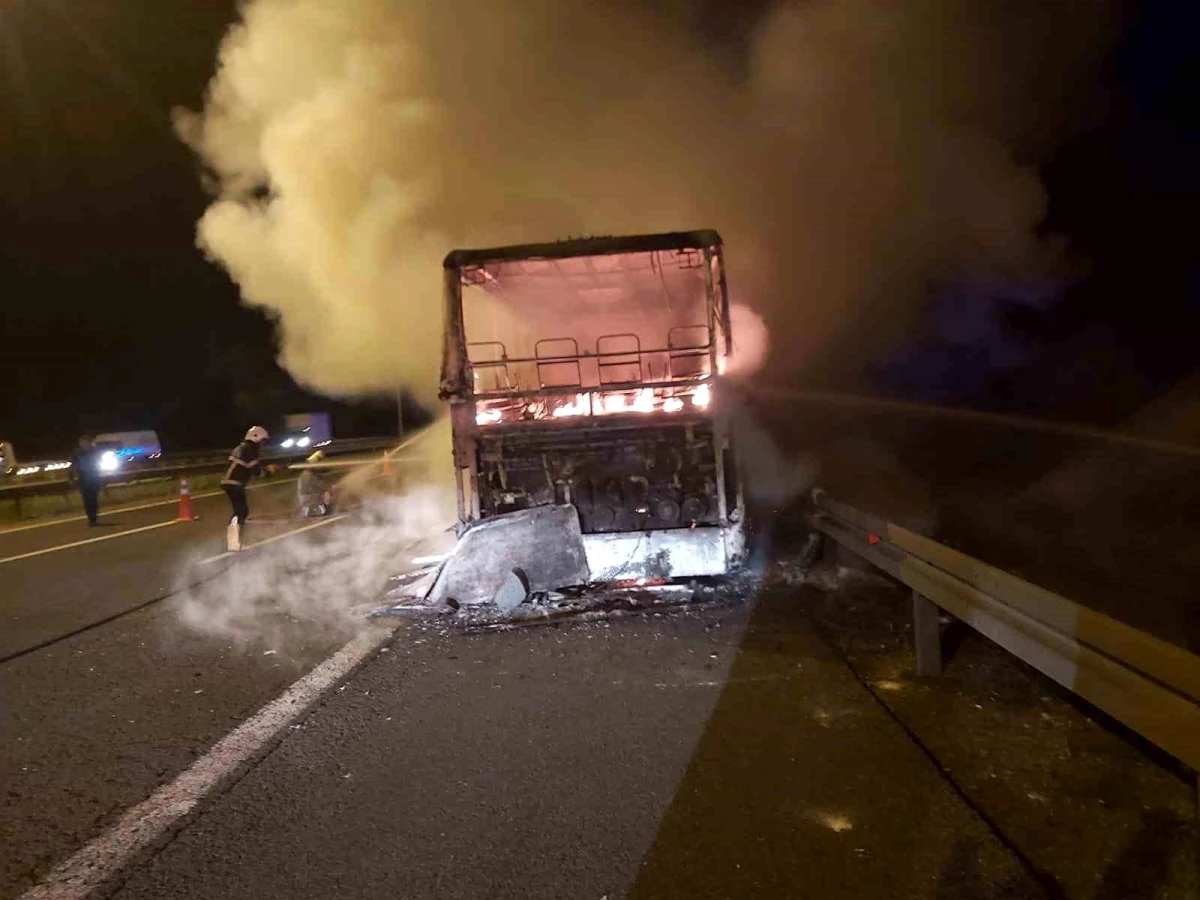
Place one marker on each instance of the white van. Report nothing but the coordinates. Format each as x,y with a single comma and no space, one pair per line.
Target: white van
120,447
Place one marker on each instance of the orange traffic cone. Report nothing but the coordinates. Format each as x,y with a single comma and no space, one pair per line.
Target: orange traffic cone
186,513
387,464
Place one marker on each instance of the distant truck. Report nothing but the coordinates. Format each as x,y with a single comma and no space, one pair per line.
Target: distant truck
582,375
304,430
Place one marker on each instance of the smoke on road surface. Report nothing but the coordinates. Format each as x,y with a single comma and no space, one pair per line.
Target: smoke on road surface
851,152
317,586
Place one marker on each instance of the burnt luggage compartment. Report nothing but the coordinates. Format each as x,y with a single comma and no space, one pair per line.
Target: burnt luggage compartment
583,373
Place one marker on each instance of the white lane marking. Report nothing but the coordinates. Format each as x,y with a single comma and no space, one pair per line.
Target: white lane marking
144,826
95,540
270,540
154,505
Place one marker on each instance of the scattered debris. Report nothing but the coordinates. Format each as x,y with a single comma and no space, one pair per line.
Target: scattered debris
584,603
513,591
412,585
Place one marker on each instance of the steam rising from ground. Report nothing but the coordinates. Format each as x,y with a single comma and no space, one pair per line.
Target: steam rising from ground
860,149
318,585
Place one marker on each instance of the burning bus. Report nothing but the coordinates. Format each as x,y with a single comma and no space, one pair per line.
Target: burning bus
581,378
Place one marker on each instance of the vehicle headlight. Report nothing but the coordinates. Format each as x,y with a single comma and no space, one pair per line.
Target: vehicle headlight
288,444
109,461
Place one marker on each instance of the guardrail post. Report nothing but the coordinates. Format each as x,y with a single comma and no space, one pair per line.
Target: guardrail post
927,635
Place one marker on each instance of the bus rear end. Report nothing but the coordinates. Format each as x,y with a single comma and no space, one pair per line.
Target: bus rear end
583,374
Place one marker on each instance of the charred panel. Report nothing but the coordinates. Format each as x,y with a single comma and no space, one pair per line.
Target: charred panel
648,477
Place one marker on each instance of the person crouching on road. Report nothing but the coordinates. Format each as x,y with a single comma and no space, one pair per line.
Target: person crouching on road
314,491
244,464
85,470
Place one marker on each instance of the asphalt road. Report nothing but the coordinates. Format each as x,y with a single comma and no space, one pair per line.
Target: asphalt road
718,753
93,723
540,764
776,746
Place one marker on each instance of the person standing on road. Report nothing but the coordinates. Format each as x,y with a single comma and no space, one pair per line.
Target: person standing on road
244,464
85,471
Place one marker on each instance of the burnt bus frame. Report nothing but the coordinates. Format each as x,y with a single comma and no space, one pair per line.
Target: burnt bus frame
457,381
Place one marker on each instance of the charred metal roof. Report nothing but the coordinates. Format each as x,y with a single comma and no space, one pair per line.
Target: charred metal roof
593,246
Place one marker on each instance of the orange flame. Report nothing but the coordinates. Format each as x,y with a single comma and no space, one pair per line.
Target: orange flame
598,403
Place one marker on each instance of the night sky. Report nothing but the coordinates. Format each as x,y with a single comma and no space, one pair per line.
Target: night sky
1125,191
112,319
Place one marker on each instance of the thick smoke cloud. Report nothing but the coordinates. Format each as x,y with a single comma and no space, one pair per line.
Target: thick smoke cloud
861,150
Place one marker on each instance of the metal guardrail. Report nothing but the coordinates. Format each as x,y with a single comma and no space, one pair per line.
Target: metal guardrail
1147,684
187,463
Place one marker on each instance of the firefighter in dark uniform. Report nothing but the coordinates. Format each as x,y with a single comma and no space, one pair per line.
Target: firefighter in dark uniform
85,470
243,465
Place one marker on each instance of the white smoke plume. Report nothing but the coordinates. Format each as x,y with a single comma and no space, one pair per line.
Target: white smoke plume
860,150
